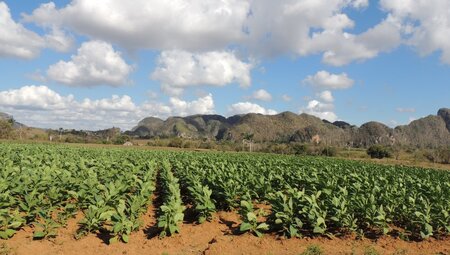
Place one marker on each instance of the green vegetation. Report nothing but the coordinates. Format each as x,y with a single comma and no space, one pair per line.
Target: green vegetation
198,194
370,251
121,139
441,155
171,212
250,219
44,185
6,129
313,250
4,249
379,151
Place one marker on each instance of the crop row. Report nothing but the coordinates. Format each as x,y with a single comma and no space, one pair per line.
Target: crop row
43,186
326,196
171,211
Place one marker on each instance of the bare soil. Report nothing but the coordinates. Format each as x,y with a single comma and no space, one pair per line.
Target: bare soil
215,237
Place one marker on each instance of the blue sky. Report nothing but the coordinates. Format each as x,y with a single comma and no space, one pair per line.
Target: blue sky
96,64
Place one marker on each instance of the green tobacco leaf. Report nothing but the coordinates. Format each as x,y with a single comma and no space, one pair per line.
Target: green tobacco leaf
251,216
15,224
39,234
162,224
245,227
259,234
263,226
117,227
318,230
293,231
3,235
6,234
125,238
246,204
173,229
113,240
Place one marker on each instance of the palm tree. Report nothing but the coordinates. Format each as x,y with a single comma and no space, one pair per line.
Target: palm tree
248,139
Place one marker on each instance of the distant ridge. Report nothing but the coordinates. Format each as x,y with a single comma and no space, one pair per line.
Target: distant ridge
5,116
430,131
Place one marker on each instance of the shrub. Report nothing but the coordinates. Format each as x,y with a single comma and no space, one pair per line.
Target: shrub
370,251
444,155
279,149
121,139
72,139
188,144
158,142
206,145
6,129
379,151
300,149
329,151
441,155
176,142
313,250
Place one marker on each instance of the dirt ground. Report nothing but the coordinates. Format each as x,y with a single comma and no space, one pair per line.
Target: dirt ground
215,237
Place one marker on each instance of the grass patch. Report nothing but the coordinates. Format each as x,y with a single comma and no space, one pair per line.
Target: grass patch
370,251
5,250
313,250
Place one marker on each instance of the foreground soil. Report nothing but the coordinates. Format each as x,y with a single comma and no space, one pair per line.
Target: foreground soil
214,237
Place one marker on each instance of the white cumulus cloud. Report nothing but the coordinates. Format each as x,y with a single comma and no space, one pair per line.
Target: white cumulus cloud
202,105
96,63
326,96
425,24
20,42
41,106
151,24
321,110
343,48
261,94
178,69
326,80
264,27
34,97
316,27
360,3
15,39
247,107
59,40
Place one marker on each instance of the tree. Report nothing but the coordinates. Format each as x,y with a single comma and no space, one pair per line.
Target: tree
379,151
248,140
6,129
121,139
11,121
60,133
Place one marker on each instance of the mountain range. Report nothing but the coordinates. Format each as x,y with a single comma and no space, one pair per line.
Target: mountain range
431,131
428,132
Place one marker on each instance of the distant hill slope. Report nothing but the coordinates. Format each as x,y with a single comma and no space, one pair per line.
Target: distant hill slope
5,116
431,131
444,113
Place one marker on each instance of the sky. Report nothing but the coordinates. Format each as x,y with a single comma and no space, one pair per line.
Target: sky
96,64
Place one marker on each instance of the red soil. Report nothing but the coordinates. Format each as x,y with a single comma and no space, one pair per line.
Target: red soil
214,237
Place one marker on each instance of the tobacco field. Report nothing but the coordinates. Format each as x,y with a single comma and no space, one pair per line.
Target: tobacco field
43,186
